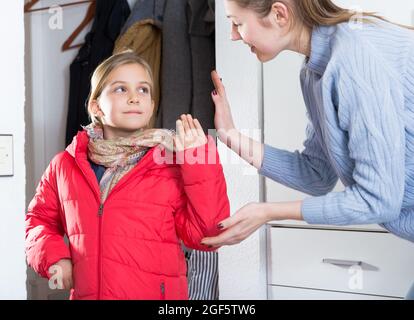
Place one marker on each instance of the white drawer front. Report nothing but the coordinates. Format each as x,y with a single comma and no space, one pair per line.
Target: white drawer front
288,293
297,255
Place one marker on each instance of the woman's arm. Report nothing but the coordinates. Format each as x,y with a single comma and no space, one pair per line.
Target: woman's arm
308,171
250,150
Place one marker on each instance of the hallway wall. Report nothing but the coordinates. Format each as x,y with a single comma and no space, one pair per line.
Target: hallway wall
12,189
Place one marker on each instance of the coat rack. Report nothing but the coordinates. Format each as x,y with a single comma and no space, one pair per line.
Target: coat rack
67,45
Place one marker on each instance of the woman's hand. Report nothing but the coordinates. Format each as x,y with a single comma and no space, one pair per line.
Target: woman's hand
223,119
190,134
250,218
64,270
239,226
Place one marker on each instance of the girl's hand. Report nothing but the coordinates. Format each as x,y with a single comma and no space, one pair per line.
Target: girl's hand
190,134
239,226
65,271
223,119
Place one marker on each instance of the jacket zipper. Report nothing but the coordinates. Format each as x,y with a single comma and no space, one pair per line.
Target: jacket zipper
100,217
162,289
100,214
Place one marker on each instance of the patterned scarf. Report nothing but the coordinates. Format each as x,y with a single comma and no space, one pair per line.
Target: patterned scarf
119,156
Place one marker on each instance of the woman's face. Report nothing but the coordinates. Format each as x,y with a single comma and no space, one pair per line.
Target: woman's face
126,102
266,37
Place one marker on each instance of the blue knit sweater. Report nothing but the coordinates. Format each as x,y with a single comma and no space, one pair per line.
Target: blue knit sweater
358,87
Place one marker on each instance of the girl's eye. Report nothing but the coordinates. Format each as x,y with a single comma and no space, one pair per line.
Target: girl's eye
120,89
236,25
144,90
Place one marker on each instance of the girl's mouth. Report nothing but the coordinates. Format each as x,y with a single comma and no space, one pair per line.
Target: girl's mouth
134,112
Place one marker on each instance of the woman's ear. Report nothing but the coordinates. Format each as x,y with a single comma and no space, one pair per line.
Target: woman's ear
280,14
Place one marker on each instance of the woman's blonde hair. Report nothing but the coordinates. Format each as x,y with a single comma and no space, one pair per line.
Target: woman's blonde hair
310,13
101,73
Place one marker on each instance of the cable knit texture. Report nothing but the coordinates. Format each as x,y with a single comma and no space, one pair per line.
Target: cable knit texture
358,87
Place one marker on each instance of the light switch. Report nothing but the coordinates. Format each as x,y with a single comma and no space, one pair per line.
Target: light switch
6,155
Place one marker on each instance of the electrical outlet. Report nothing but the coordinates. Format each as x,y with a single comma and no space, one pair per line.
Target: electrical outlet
6,155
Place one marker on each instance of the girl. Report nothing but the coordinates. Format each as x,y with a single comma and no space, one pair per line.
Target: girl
358,87
123,210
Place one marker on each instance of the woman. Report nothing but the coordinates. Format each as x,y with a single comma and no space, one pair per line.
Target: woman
358,87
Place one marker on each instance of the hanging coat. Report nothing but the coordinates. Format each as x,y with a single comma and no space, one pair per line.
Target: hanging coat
110,17
188,57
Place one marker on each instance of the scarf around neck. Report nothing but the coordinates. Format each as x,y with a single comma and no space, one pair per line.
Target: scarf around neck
120,155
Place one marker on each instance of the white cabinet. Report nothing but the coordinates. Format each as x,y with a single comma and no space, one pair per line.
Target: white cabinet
292,293
368,263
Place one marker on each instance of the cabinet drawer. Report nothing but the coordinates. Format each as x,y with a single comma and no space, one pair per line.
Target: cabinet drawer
289,293
347,261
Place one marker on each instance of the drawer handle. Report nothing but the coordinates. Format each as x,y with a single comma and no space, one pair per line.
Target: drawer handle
346,263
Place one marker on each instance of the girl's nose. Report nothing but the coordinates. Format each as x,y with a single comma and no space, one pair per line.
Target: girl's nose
133,100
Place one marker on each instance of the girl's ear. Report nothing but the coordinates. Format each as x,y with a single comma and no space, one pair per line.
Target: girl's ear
94,109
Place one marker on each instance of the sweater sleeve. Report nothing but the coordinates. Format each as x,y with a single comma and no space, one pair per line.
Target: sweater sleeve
44,229
370,111
308,171
203,202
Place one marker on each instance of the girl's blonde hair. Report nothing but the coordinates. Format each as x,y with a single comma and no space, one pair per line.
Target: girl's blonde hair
310,13
100,76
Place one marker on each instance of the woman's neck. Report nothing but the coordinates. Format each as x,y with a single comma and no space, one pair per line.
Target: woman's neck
301,42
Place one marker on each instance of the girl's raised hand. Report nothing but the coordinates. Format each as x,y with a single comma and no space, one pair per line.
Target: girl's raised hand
190,134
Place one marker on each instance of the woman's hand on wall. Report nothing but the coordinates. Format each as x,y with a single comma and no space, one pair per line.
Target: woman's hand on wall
223,119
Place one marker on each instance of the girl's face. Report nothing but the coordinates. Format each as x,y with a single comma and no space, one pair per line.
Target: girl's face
267,36
125,103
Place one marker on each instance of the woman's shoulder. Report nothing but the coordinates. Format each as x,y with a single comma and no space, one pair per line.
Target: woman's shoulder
371,37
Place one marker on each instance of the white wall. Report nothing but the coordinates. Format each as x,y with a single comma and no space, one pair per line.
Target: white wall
12,189
399,11
47,81
242,267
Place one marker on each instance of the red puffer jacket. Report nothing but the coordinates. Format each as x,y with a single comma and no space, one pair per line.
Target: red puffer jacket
129,246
